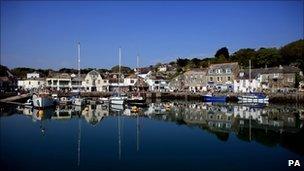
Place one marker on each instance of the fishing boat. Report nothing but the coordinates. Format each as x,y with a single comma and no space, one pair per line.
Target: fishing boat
43,100
212,98
253,98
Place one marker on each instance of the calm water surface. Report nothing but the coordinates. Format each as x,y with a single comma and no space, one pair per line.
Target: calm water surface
163,136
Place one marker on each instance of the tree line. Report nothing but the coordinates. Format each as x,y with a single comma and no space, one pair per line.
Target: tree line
290,54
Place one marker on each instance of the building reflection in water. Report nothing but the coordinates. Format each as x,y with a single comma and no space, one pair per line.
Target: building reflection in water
268,125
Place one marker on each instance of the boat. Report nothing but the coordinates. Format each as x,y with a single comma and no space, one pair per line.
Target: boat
212,98
254,97
43,100
134,109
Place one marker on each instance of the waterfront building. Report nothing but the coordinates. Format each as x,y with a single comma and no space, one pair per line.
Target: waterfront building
65,82
143,72
244,84
193,80
220,77
157,83
31,83
94,82
282,78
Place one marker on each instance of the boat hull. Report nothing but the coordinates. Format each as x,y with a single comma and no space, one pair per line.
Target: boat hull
214,98
253,100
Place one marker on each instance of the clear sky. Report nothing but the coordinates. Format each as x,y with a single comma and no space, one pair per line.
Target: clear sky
45,34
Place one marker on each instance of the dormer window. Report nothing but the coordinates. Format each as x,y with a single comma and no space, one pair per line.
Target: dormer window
228,70
210,71
241,74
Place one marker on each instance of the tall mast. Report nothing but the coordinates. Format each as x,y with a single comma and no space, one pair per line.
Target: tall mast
137,61
119,66
78,64
249,75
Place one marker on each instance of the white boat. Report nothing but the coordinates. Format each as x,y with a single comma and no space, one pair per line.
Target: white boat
253,98
43,100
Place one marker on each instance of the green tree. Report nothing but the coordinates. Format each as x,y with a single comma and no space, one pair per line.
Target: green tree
222,52
269,57
242,56
294,53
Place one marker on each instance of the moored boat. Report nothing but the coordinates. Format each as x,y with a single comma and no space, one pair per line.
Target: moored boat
213,98
253,98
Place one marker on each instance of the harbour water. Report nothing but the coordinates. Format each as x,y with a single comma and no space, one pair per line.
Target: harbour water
175,135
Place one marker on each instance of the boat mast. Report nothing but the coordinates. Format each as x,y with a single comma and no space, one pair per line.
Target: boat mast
137,61
119,65
249,75
78,65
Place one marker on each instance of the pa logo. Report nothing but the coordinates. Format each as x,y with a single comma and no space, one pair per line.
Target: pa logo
294,163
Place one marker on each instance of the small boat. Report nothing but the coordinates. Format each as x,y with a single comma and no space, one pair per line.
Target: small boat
213,98
43,100
253,98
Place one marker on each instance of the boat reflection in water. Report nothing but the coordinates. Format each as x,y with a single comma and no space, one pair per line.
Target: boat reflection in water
186,128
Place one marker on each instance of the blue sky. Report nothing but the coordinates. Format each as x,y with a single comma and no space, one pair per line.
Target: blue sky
44,34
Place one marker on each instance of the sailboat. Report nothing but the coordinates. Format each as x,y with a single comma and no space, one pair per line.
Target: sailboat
77,100
118,98
253,97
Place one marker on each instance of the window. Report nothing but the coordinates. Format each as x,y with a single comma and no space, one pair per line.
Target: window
210,71
290,80
98,82
218,78
132,81
228,78
87,81
211,78
228,70
221,78
29,83
38,82
104,81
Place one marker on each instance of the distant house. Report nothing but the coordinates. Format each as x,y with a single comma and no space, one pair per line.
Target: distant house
32,75
94,82
301,86
143,72
221,76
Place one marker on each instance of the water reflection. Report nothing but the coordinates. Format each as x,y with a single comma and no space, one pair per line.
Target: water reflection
266,125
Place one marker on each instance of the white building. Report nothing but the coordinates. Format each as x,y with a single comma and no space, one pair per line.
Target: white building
31,83
242,84
157,83
32,75
94,82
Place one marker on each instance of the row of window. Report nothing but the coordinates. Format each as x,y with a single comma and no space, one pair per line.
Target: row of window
220,71
219,79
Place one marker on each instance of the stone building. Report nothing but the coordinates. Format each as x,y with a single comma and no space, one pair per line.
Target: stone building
221,76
